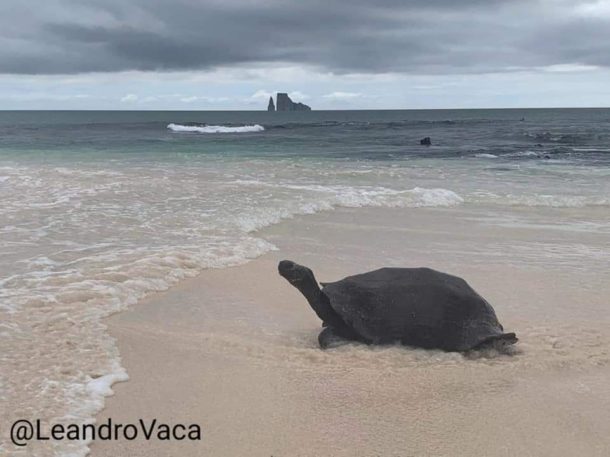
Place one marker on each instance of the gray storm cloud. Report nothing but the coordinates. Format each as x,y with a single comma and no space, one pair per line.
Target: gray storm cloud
424,36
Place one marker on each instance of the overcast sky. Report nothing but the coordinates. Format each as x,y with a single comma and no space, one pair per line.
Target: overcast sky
231,54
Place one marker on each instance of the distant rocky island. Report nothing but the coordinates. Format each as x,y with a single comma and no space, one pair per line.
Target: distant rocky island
284,103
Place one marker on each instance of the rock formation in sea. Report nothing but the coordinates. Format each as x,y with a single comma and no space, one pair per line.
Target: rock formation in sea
284,103
271,105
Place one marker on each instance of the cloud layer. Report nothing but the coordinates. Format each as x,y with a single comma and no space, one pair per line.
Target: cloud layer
408,36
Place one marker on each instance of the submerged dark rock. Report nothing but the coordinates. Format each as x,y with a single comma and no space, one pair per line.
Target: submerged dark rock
284,103
425,141
271,105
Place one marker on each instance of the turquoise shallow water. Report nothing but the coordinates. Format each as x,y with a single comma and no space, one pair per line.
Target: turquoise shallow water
100,208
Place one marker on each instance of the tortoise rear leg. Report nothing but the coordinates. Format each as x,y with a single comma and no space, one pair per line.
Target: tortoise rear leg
500,343
329,338
334,336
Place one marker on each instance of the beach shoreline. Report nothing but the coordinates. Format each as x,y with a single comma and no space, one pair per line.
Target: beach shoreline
235,349
102,209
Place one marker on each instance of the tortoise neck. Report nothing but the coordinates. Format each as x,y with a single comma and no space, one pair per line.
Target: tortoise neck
304,280
319,302
308,286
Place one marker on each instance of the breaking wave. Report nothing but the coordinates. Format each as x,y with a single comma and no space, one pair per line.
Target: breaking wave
486,156
215,128
314,198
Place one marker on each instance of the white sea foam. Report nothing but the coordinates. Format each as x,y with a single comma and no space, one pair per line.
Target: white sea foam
89,241
215,128
542,200
359,196
522,154
486,156
313,198
591,149
102,386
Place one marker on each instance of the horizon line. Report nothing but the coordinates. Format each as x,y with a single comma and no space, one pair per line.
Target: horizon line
312,110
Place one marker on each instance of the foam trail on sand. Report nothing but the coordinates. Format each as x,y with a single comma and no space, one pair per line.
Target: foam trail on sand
96,252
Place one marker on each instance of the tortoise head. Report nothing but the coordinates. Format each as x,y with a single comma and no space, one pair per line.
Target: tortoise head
304,280
296,274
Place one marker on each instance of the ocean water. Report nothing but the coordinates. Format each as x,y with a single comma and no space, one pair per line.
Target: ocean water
101,208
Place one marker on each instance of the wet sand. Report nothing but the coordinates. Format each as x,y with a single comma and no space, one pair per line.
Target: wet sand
235,349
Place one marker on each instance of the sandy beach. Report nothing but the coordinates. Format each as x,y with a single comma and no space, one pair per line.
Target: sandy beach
235,349
161,161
